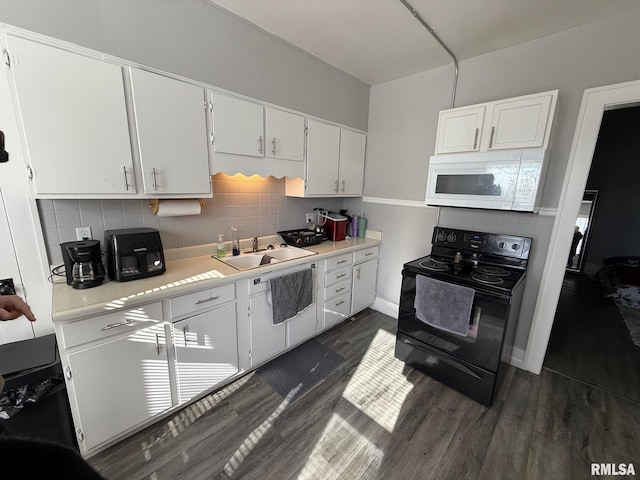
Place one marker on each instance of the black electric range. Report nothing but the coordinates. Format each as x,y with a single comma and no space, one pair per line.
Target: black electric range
494,267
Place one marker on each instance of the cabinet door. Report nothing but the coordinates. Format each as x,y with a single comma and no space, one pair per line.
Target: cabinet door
206,351
323,156
267,339
119,384
284,135
459,129
301,327
351,171
364,285
75,120
238,126
519,123
172,134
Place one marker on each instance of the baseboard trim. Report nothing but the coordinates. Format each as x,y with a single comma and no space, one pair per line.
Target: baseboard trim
386,307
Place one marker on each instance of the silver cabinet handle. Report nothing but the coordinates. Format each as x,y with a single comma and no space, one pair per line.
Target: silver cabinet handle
210,299
273,146
343,186
341,275
368,254
475,139
336,187
260,144
155,182
119,324
126,179
339,303
340,289
491,136
341,261
358,274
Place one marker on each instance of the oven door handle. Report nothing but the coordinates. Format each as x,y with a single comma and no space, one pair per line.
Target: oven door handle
432,352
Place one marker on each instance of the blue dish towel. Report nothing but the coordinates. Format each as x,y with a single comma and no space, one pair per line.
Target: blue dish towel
443,305
290,294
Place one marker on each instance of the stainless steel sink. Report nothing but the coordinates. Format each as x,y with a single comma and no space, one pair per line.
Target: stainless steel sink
264,258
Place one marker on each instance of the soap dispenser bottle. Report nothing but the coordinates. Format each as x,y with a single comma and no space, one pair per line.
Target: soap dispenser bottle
220,249
235,242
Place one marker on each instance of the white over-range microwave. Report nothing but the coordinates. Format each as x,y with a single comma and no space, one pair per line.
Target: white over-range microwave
504,180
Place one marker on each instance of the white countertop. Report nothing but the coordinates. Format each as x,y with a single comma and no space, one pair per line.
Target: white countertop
188,269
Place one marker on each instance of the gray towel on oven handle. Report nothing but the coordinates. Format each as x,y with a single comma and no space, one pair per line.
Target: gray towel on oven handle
291,294
443,305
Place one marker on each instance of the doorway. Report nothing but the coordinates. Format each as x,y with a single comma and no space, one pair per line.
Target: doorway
594,103
580,241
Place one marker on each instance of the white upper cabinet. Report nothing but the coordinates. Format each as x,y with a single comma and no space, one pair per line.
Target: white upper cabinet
74,117
285,135
238,126
334,163
351,169
521,122
459,130
252,138
323,158
171,128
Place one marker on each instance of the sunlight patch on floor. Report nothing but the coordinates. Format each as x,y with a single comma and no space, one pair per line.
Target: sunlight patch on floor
256,435
339,441
374,388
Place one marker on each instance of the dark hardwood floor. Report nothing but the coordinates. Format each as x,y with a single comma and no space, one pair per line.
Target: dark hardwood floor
374,418
589,341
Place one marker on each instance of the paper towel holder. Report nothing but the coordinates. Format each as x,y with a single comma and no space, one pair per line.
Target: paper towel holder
154,204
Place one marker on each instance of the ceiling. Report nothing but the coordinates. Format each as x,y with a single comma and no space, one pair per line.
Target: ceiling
380,40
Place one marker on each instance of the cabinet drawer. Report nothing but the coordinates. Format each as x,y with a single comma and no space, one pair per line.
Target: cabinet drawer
339,261
337,309
104,326
193,302
339,288
366,254
338,275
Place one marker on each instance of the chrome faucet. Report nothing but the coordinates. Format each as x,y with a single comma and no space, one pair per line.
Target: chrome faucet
255,244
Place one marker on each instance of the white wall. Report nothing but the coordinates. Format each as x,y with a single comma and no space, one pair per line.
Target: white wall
403,119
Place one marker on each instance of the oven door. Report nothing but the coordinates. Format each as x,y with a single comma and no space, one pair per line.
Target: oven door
488,321
478,180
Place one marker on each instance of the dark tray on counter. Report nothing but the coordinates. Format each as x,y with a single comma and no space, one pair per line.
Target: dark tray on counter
301,237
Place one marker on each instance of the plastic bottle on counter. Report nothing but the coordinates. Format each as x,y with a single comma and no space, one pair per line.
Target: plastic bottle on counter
235,242
354,226
220,248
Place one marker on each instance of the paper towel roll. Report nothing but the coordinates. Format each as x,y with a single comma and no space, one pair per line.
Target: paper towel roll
178,208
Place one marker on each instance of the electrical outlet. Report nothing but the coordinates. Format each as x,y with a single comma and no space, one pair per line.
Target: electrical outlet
83,233
309,218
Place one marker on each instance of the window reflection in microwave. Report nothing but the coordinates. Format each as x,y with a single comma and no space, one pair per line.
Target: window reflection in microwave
468,184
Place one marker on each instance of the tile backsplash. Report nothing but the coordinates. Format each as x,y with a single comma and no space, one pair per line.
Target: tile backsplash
256,206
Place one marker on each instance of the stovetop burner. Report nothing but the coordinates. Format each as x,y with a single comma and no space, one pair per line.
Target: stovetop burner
435,266
490,270
488,279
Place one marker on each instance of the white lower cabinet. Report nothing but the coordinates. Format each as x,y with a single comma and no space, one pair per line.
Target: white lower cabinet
206,351
266,339
337,289
118,384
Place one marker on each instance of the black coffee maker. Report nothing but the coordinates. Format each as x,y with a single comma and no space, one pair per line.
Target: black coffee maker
83,263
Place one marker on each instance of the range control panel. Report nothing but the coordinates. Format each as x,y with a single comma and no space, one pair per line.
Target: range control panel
489,243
